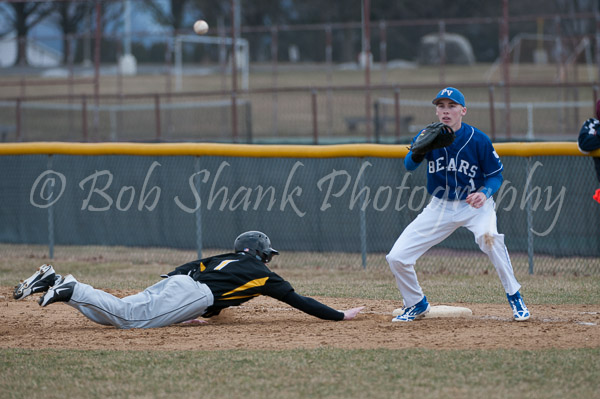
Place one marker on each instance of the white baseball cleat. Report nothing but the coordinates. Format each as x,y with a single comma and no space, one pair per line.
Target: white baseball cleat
61,292
40,281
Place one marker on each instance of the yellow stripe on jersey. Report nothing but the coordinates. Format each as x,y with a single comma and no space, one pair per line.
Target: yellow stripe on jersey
202,267
259,282
239,297
225,263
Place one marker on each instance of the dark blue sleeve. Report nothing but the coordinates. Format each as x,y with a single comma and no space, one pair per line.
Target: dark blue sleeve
588,139
409,163
489,159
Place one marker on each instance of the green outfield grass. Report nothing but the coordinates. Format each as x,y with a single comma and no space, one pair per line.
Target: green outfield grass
318,274
327,273
320,373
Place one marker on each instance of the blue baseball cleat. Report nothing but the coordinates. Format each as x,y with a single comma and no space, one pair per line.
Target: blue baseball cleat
414,312
520,311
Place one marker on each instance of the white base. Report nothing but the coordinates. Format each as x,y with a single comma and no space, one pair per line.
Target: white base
441,311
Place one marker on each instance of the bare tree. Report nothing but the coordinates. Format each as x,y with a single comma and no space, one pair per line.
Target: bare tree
22,17
69,16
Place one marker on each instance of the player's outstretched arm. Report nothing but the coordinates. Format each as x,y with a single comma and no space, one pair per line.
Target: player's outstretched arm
352,313
318,309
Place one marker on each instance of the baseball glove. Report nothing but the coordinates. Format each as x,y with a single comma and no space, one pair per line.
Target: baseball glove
434,136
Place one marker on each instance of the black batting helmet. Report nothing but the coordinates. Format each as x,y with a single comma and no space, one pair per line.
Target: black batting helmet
255,243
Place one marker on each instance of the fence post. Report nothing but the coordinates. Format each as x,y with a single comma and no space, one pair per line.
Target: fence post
313,97
198,212
50,218
84,123
362,219
377,120
157,115
329,64
248,109
274,65
383,50
234,116
97,54
492,112
529,217
18,120
505,52
397,112
530,122
366,48
234,22
442,50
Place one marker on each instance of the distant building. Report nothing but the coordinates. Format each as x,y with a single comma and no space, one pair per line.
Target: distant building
38,54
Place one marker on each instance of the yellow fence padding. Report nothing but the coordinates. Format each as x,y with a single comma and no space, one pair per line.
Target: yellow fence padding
269,151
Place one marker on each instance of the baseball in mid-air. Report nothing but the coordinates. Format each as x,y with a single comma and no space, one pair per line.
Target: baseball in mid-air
200,27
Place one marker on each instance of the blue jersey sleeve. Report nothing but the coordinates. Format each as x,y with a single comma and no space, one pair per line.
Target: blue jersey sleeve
489,159
492,184
409,163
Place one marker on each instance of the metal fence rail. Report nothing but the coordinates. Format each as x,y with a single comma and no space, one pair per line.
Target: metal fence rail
314,115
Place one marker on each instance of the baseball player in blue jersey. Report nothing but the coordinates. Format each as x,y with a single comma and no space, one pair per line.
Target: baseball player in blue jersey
589,140
201,288
461,179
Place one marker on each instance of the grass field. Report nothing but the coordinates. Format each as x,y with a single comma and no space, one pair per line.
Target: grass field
321,373
325,372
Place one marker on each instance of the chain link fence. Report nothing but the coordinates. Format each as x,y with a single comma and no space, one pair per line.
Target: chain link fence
330,211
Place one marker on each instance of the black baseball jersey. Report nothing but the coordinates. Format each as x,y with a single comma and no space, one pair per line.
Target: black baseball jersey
237,278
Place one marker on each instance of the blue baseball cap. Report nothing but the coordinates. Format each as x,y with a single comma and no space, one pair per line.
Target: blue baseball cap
451,94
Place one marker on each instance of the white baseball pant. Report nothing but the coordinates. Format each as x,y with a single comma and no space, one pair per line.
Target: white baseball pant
437,221
170,301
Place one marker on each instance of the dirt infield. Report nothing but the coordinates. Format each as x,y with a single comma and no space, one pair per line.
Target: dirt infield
266,323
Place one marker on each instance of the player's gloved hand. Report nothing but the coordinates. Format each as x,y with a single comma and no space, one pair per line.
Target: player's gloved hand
351,313
434,136
592,125
476,200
